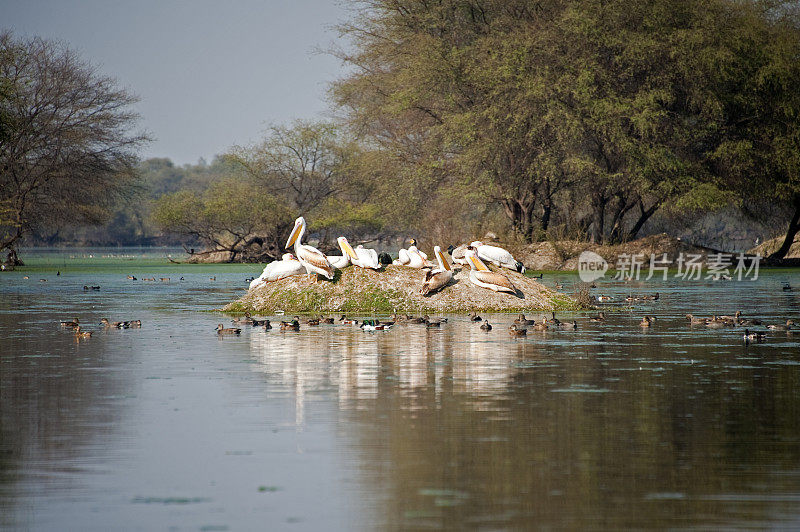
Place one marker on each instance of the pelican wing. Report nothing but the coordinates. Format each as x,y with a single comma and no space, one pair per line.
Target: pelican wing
316,259
436,280
497,279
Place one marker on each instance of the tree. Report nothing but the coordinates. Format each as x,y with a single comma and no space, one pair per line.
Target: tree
66,151
229,216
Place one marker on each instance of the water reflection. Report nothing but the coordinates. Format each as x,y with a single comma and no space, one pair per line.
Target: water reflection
610,426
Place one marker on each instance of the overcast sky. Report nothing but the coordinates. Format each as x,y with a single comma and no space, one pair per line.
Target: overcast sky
210,73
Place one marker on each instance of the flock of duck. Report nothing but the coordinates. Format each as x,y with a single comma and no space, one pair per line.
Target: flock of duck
75,325
311,261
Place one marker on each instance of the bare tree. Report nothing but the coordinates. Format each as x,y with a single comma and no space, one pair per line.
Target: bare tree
66,153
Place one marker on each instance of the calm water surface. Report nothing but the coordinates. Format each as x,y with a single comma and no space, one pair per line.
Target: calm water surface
169,427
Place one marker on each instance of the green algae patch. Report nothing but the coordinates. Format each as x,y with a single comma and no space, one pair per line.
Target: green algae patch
396,289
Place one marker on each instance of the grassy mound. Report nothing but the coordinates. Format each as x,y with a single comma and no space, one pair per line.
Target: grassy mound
358,290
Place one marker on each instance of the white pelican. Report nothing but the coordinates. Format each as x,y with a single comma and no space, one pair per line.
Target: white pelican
482,276
340,262
497,256
457,253
367,258
279,269
412,257
438,278
310,257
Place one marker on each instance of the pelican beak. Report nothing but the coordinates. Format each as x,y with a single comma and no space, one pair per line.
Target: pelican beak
349,249
479,266
294,235
443,259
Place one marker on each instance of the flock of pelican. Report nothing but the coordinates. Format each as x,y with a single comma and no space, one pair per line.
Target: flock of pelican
311,261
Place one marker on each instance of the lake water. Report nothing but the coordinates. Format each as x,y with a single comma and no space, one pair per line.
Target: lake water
170,427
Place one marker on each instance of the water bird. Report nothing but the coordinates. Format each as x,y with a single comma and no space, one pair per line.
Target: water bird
601,316
164,279
312,259
416,320
135,324
440,277
384,258
267,325
250,279
497,256
480,275
279,269
367,258
537,276
131,277
347,321
559,286
73,323
603,298
540,326
222,330
647,321
246,320
514,330
375,325
428,319
313,322
485,326
696,321
787,287
82,334
754,336
42,280
258,323
567,326
210,278
522,320
473,316
782,327
412,257
328,321
348,254
85,287
148,278
118,324
293,325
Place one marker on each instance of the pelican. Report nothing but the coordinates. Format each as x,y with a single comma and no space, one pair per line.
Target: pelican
412,257
340,262
310,257
458,254
278,269
367,258
497,256
482,276
438,278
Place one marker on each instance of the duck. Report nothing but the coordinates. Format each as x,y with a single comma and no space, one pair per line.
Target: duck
515,330
567,326
480,275
267,325
438,278
601,316
247,320
540,326
293,325
498,256
314,261
555,321
485,326
82,334
328,321
375,325
131,277
415,320
782,327
473,316
522,320
715,323
753,336
313,322
603,298
222,330
347,321
539,277
647,321
135,324
559,286
258,323
653,297
73,323
118,324
152,279
427,319
210,279
696,321
164,279
787,287
85,287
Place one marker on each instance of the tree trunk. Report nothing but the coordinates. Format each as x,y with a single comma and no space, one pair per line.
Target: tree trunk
791,232
599,201
644,215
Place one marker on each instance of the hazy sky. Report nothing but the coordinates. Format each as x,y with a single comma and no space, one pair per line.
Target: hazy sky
210,74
